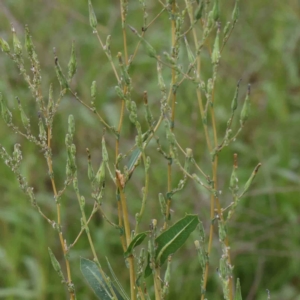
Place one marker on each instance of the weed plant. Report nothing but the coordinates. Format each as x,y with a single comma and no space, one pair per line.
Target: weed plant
188,53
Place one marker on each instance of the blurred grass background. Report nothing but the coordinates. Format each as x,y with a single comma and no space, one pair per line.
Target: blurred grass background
264,50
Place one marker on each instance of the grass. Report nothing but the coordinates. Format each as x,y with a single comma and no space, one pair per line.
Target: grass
269,137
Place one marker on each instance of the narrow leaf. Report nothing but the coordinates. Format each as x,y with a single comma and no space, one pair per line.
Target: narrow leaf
95,280
137,240
174,237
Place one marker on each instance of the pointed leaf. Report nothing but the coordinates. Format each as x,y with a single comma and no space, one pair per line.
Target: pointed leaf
137,240
174,237
238,293
95,280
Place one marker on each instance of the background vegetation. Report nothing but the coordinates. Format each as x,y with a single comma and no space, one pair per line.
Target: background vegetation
264,50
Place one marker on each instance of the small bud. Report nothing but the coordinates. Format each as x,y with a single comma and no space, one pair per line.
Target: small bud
236,12
104,151
250,180
92,16
60,76
72,63
42,131
246,108
90,167
215,57
235,98
93,90
4,46
24,118
16,43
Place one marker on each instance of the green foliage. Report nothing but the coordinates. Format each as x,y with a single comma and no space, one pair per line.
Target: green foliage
160,83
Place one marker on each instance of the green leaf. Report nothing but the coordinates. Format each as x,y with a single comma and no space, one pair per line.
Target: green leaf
137,240
91,273
133,159
174,237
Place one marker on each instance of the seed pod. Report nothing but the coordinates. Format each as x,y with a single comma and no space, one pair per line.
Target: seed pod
235,97
92,16
16,43
91,174
24,118
60,76
215,57
104,151
72,66
246,108
236,12
216,10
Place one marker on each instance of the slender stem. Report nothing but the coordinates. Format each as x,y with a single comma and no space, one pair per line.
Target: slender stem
127,232
173,104
61,238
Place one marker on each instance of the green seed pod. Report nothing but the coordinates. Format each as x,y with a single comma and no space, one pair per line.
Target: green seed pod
60,76
42,131
91,174
55,263
4,46
250,180
236,12
216,10
72,66
215,57
246,108
235,97
104,151
71,126
92,16
24,118
199,10
16,43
